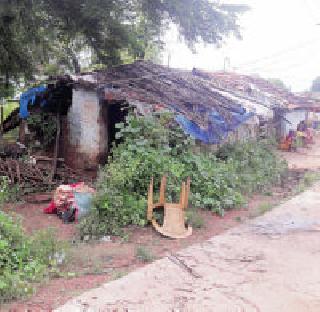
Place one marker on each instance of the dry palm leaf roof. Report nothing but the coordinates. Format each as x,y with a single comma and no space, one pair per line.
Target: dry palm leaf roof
149,83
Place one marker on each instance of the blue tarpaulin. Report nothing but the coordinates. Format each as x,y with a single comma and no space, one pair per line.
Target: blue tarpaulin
218,127
29,97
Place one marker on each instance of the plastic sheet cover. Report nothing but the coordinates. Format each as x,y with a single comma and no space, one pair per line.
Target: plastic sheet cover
29,98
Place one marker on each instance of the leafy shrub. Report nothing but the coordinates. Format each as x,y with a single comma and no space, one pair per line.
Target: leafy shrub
154,146
23,260
309,178
45,126
8,193
194,218
255,164
4,190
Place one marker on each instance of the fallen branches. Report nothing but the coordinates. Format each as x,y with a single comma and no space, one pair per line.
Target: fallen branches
36,177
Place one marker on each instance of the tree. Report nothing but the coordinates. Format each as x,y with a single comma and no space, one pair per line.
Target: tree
316,85
34,31
20,40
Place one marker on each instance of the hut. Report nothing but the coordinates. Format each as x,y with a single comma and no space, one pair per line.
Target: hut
91,104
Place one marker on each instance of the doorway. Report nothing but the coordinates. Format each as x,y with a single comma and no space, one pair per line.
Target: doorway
116,113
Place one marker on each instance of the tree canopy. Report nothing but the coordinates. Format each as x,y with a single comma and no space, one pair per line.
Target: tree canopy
20,39
32,32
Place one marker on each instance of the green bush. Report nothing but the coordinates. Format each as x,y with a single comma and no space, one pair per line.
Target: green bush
45,126
8,192
154,146
255,165
23,260
194,218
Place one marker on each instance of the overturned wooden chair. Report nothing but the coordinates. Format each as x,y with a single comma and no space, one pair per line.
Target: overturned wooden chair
174,214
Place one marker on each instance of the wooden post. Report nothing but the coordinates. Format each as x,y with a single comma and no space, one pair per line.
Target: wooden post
56,147
1,126
2,117
22,131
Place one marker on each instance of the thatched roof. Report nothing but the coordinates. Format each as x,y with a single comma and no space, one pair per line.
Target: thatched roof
149,83
261,90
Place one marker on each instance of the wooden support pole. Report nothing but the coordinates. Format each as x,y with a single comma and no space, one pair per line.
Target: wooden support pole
22,131
2,117
56,147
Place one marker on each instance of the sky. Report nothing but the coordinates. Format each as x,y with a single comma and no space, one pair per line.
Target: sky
280,39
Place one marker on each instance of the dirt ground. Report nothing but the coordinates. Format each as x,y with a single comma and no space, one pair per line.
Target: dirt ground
90,265
268,264
305,158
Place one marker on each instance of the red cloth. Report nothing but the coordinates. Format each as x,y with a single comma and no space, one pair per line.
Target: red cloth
51,208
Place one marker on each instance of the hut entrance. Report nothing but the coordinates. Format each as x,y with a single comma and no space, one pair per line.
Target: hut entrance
116,113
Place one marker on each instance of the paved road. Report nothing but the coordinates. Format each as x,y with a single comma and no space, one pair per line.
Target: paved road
271,264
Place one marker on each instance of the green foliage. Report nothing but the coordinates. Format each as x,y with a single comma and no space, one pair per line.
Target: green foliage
143,254
45,126
35,33
118,274
194,218
264,207
8,108
4,190
310,178
24,260
154,146
255,164
6,91
21,38
8,193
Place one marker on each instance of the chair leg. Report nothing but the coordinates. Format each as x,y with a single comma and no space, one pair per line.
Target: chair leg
150,201
187,193
162,199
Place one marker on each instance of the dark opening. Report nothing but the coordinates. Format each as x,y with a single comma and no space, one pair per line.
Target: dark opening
116,113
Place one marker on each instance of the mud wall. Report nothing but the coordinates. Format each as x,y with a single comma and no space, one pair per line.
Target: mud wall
84,131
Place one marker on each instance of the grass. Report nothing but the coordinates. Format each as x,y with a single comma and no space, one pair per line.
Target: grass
143,254
310,178
306,182
118,274
12,135
264,207
8,108
268,193
125,237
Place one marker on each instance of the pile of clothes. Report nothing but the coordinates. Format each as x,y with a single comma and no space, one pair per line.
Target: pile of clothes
71,202
300,138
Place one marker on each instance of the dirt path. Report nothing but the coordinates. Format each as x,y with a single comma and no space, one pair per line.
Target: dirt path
93,264
268,264
305,158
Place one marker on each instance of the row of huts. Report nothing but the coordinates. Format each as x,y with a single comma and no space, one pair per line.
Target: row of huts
211,107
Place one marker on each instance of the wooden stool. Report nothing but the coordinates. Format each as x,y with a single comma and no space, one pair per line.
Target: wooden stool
174,214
